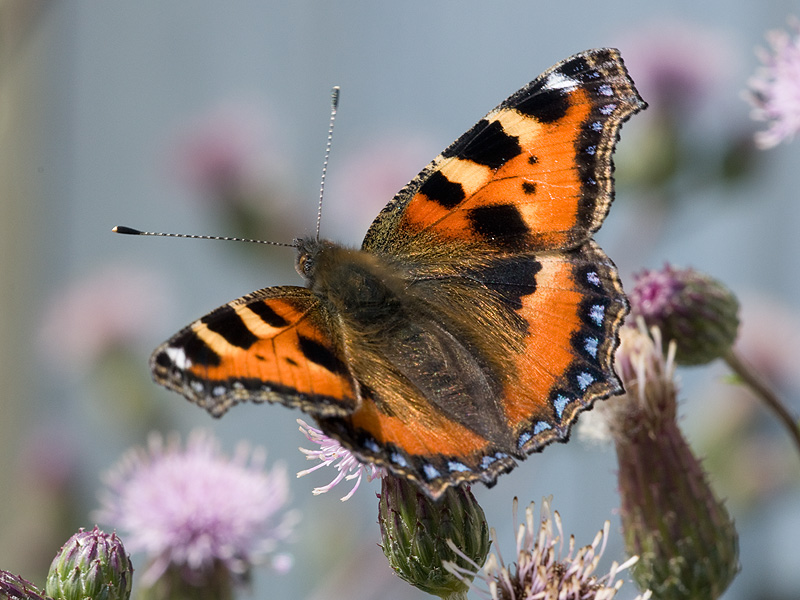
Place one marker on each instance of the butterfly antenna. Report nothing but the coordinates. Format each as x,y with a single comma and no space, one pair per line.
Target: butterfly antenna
334,106
132,231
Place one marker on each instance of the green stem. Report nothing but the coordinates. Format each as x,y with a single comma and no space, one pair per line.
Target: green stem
763,391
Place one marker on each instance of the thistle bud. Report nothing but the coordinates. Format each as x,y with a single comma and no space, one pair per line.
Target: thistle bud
685,539
415,531
695,310
92,564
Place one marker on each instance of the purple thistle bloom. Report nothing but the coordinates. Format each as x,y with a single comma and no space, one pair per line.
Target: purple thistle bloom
677,64
541,570
775,88
330,451
690,307
195,509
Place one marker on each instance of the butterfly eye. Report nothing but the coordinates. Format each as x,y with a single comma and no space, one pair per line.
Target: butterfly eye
305,265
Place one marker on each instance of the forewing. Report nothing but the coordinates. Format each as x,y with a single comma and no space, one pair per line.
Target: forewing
534,174
273,345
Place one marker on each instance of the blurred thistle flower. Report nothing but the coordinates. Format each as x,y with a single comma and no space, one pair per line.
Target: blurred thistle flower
683,70
220,151
540,572
14,587
775,88
114,307
92,564
330,451
685,539
203,519
366,179
677,64
231,158
48,461
419,535
695,310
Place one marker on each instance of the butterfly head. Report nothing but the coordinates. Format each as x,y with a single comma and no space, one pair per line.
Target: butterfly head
308,254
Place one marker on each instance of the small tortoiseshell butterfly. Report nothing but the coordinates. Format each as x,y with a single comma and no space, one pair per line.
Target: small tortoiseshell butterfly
477,319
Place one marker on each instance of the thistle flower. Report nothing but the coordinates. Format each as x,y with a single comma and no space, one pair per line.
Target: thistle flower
541,572
203,519
419,535
221,150
330,451
92,564
14,587
231,157
684,536
677,64
366,177
775,88
695,310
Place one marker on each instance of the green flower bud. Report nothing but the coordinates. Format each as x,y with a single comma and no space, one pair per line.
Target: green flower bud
415,531
92,564
14,587
685,539
695,310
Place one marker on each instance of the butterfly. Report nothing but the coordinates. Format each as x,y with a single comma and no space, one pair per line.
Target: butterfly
477,319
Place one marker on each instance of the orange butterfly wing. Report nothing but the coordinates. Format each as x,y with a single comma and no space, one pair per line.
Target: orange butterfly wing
534,174
270,346
528,185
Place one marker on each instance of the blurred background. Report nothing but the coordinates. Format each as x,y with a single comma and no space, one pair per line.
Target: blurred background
207,117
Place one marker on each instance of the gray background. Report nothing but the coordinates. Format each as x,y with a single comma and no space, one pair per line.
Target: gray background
95,95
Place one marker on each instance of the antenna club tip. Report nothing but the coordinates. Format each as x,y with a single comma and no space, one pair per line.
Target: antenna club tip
126,230
335,96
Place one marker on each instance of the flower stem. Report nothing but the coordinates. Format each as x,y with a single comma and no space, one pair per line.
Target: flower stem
763,391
